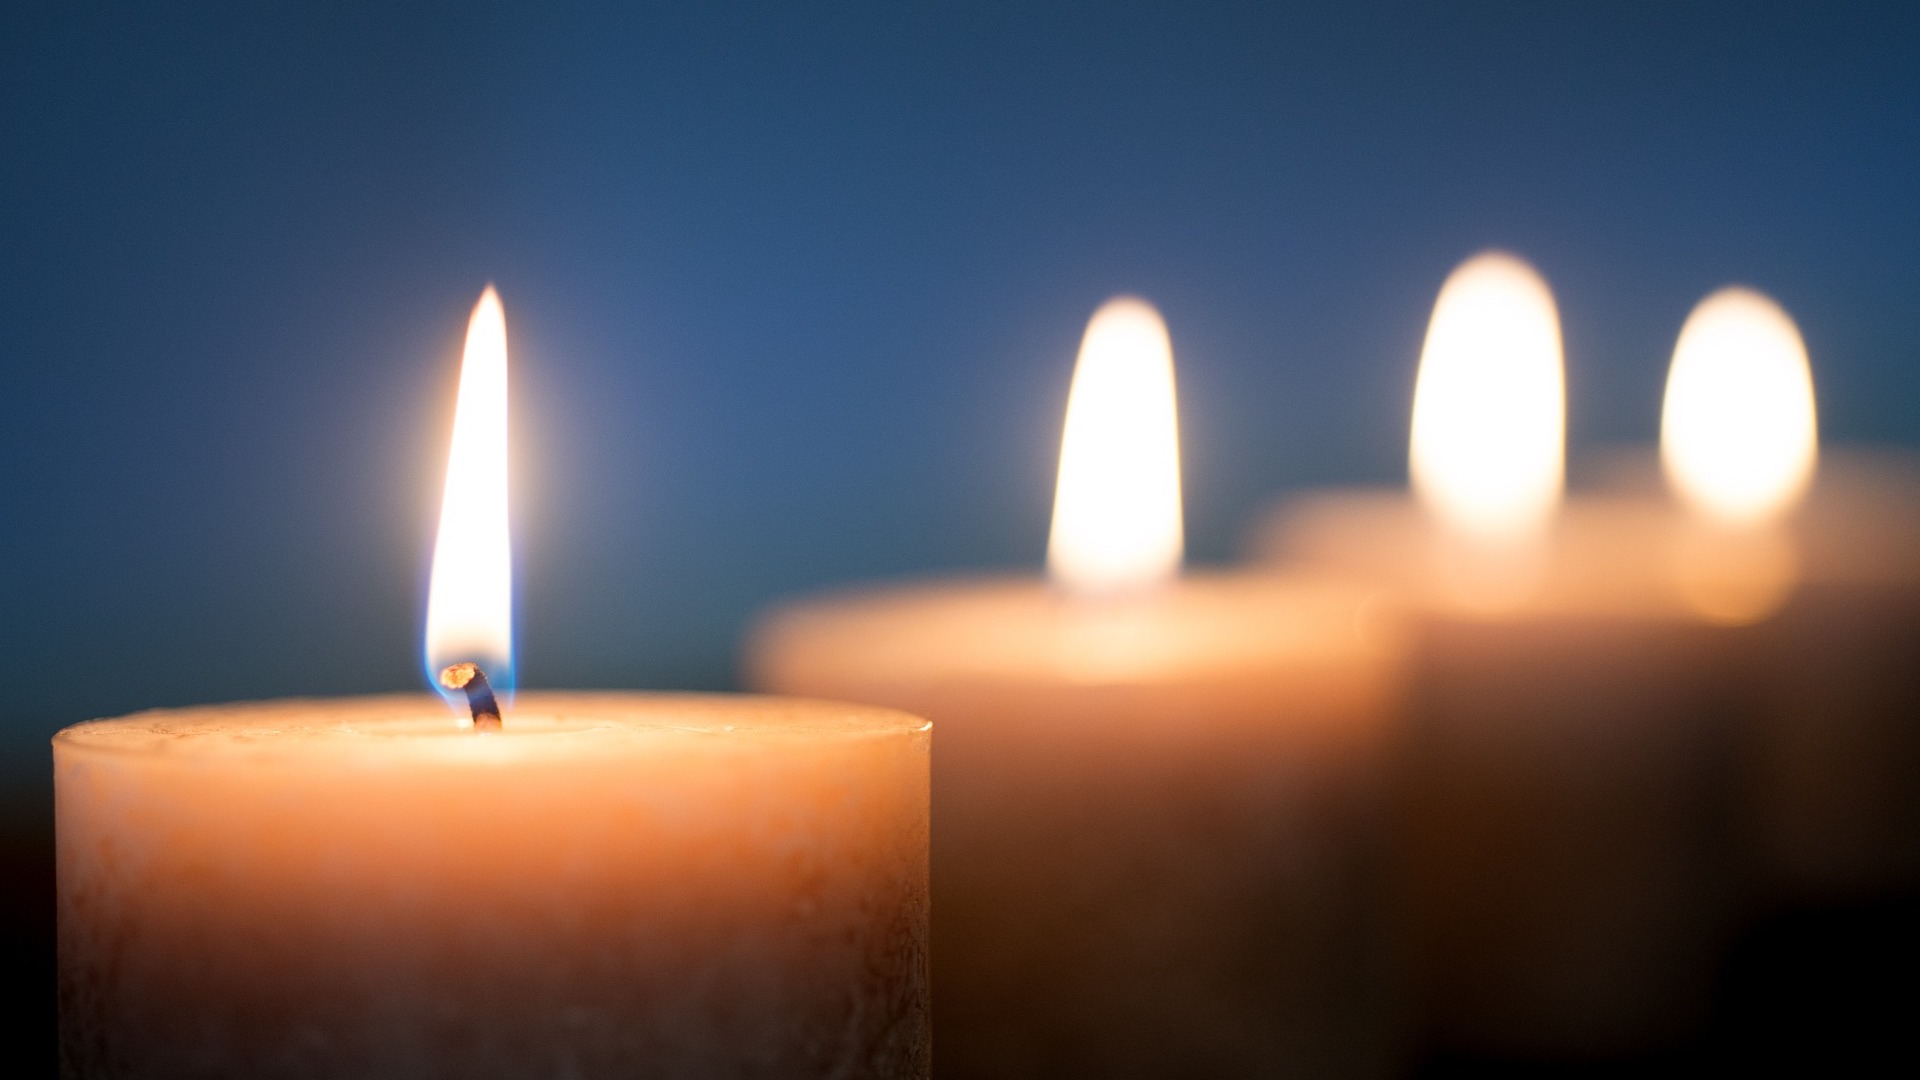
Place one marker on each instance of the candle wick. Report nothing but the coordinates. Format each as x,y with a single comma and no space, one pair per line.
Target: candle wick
469,677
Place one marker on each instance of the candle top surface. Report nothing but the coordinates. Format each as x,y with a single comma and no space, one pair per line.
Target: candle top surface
1611,550
1020,630
1860,519
538,726
1596,557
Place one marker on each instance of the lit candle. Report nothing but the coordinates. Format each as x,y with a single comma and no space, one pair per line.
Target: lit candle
1155,796
1566,873
578,885
1822,569
1834,589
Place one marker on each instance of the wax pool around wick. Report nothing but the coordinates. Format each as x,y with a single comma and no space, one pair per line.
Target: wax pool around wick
469,677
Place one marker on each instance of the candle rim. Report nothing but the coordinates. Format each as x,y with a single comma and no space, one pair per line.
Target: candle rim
1190,632
421,727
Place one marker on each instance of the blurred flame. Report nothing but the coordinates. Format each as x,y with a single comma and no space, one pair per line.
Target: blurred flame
1488,448
1737,436
469,599
1739,443
1116,509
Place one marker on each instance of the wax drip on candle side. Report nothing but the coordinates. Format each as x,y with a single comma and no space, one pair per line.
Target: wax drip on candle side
469,677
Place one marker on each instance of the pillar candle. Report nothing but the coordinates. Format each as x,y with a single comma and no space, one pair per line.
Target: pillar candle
1560,791
1833,586
1837,762
1833,758
614,885
574,885
1156,820
1156,797
1563,789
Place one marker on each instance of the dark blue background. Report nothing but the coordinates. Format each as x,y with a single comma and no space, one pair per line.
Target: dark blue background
794,290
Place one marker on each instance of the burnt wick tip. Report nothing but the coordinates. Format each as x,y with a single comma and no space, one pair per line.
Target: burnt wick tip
469,677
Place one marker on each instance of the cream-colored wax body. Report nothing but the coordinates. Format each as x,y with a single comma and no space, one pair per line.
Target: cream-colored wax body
1562,795
1155,842
1834,751
616,885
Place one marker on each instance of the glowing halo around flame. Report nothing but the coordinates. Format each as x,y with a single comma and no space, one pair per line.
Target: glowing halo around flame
470,594
1116,510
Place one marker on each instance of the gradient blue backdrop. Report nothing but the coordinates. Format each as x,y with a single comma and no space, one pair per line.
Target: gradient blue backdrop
794,290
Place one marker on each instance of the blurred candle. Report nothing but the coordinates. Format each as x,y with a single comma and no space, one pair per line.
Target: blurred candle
610,885
1834,589
1565,869
1155,798
1823,570
1837,792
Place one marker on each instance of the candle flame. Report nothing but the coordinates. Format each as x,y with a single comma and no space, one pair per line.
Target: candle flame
469,598
1739,444
1116,509
1488,449
1737,432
